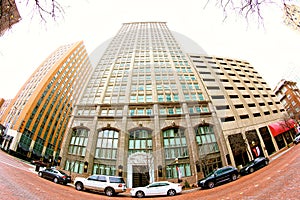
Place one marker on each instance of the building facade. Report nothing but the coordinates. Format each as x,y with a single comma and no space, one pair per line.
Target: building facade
292,16
36,119
153,111
289,95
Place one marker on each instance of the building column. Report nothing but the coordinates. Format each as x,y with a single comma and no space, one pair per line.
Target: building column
231,157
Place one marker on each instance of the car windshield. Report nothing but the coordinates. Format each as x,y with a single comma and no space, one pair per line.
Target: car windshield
250,163
211,173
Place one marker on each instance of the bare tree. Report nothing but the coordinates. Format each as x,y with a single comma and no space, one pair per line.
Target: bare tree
9,13
247,8
46,8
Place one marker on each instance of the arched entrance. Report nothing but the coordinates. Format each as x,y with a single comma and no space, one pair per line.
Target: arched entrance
140,168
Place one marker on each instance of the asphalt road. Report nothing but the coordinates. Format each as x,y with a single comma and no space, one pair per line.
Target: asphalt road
279,181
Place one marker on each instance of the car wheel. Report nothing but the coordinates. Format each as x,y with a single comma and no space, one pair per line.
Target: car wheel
251,170
40,174
55,180
266,162
139,194
233,177
109,192
211,184
79,186
171,192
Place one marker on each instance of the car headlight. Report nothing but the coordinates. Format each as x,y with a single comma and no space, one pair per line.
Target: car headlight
202,182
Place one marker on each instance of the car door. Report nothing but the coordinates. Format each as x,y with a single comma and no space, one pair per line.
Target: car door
102,183
162,188
47,173
91,182
219,176
152,189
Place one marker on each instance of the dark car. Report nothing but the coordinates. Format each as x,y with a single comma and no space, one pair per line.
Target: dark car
219,176
254,165
57,176
297,139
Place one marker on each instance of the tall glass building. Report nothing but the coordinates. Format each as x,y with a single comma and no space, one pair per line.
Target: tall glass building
36,119
151,111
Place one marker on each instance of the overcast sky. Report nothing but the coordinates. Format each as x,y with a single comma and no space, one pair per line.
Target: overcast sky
272,49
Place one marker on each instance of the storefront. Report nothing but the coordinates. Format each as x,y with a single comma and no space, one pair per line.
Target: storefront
283,132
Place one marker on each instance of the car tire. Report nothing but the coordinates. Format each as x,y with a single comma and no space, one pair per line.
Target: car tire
109,191
211,184
79,186
233,177
139,194
266,162
55,180
251,170
40,174
171,192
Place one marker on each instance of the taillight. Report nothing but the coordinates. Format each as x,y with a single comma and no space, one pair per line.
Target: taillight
64,177
120,185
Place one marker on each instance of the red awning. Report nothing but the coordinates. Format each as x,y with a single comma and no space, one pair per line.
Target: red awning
281,127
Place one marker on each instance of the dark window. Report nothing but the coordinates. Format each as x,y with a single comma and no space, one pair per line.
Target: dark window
224,107
246,96
213,88
116,180
267,113
239,106
244,116
256,114
227,119
234,96
218,97
209,79
204,72
102,178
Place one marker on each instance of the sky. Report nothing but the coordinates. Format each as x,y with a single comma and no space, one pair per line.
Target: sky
271,48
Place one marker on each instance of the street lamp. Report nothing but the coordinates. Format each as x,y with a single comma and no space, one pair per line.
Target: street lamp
177,169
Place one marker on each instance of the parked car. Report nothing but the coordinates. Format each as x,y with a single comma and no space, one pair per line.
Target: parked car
254,165
57,176
297,139
219,176
110,185
157,189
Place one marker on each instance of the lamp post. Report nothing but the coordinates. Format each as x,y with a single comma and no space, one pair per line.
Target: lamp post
177,169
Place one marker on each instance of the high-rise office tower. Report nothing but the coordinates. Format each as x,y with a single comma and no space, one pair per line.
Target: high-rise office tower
152,111
37,117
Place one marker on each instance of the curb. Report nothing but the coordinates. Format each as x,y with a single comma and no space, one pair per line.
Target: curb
127,192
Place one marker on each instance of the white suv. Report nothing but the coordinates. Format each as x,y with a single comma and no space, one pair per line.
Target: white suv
110,185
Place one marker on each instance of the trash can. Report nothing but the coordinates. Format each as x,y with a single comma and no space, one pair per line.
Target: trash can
37,168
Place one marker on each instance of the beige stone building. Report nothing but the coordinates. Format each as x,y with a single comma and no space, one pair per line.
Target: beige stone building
155,109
